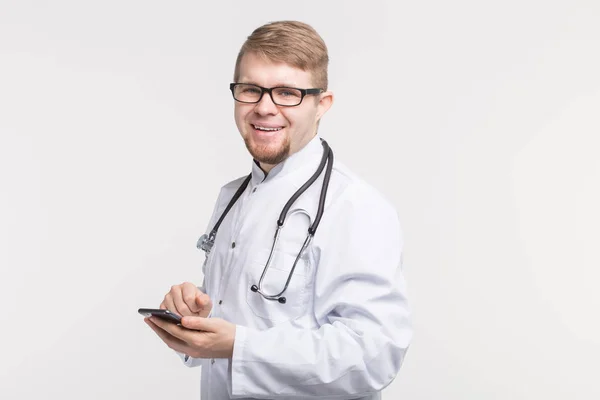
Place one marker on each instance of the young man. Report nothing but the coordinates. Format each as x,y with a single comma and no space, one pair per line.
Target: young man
341,327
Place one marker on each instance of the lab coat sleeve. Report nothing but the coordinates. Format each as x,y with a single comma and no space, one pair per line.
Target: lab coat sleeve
360,305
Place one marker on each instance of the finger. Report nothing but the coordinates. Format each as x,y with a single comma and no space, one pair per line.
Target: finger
170,340
168,303
203,301
181,307
189,293
200,324
191,338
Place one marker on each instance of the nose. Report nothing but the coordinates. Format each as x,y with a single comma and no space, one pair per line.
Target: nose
266,106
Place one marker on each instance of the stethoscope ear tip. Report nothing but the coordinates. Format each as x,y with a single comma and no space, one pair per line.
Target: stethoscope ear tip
281,300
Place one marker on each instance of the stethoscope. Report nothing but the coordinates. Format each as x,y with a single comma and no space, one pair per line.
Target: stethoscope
206,242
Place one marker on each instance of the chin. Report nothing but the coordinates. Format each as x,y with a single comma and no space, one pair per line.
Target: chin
269,153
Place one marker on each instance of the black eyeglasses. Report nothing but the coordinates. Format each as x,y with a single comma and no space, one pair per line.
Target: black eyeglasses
282,96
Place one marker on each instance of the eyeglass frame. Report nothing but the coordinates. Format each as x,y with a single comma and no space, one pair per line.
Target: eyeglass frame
303,92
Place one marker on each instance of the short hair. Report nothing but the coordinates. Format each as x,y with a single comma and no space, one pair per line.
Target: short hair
291,42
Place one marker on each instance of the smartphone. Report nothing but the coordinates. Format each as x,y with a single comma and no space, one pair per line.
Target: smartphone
162,314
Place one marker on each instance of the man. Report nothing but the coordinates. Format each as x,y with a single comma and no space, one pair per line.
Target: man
340,328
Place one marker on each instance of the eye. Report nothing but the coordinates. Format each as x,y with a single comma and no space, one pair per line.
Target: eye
251,90
287,92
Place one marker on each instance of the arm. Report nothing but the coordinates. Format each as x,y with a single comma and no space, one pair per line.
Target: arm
360,305
187,360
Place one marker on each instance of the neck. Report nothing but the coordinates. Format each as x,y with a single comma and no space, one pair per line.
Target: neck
266,167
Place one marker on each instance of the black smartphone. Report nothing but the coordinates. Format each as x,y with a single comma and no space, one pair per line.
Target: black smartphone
162,314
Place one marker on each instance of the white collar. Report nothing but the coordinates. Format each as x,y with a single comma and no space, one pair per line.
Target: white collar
313,150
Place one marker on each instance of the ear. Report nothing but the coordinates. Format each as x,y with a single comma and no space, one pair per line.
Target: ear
325,103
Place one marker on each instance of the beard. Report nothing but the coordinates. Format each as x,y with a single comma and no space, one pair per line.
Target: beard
271,154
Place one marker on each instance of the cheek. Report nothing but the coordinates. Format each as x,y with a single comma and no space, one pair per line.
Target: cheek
239,114
300,119
292,117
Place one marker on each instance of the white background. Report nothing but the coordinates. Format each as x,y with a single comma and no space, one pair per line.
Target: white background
478,119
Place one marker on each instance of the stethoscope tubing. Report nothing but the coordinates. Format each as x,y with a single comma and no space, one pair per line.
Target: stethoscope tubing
206,242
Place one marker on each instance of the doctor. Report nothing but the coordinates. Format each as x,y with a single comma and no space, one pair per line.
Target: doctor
342,329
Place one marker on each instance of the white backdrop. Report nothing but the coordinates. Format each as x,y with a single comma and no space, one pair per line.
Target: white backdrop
479,120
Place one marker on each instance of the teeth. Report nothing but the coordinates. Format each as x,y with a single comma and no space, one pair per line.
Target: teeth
262,128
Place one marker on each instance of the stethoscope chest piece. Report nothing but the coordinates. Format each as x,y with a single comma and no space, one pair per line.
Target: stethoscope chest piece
206,242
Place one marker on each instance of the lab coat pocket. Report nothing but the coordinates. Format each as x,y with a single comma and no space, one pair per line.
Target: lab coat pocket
296,294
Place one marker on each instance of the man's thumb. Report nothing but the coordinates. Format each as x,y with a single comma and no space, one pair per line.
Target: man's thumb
197,323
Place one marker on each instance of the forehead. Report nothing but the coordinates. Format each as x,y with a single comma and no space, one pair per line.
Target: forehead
258,70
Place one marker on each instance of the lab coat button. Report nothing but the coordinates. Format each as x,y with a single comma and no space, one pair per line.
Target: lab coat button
253,190
212,361
233,245
220,301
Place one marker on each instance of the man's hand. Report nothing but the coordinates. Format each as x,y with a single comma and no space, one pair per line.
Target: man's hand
187,300
199,338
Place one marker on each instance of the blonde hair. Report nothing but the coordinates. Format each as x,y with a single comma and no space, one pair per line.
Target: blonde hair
291,42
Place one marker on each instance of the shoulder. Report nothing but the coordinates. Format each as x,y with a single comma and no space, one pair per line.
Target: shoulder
228,189
358,212
352,191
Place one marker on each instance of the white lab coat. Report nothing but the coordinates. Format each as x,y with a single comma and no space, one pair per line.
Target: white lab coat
345,328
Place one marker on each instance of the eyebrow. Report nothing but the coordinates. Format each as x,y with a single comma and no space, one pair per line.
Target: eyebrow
278,84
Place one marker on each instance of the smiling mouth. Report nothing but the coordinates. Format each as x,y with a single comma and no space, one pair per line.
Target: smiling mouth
266,129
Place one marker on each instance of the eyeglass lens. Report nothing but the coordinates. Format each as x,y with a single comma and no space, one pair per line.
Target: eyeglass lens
282,96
